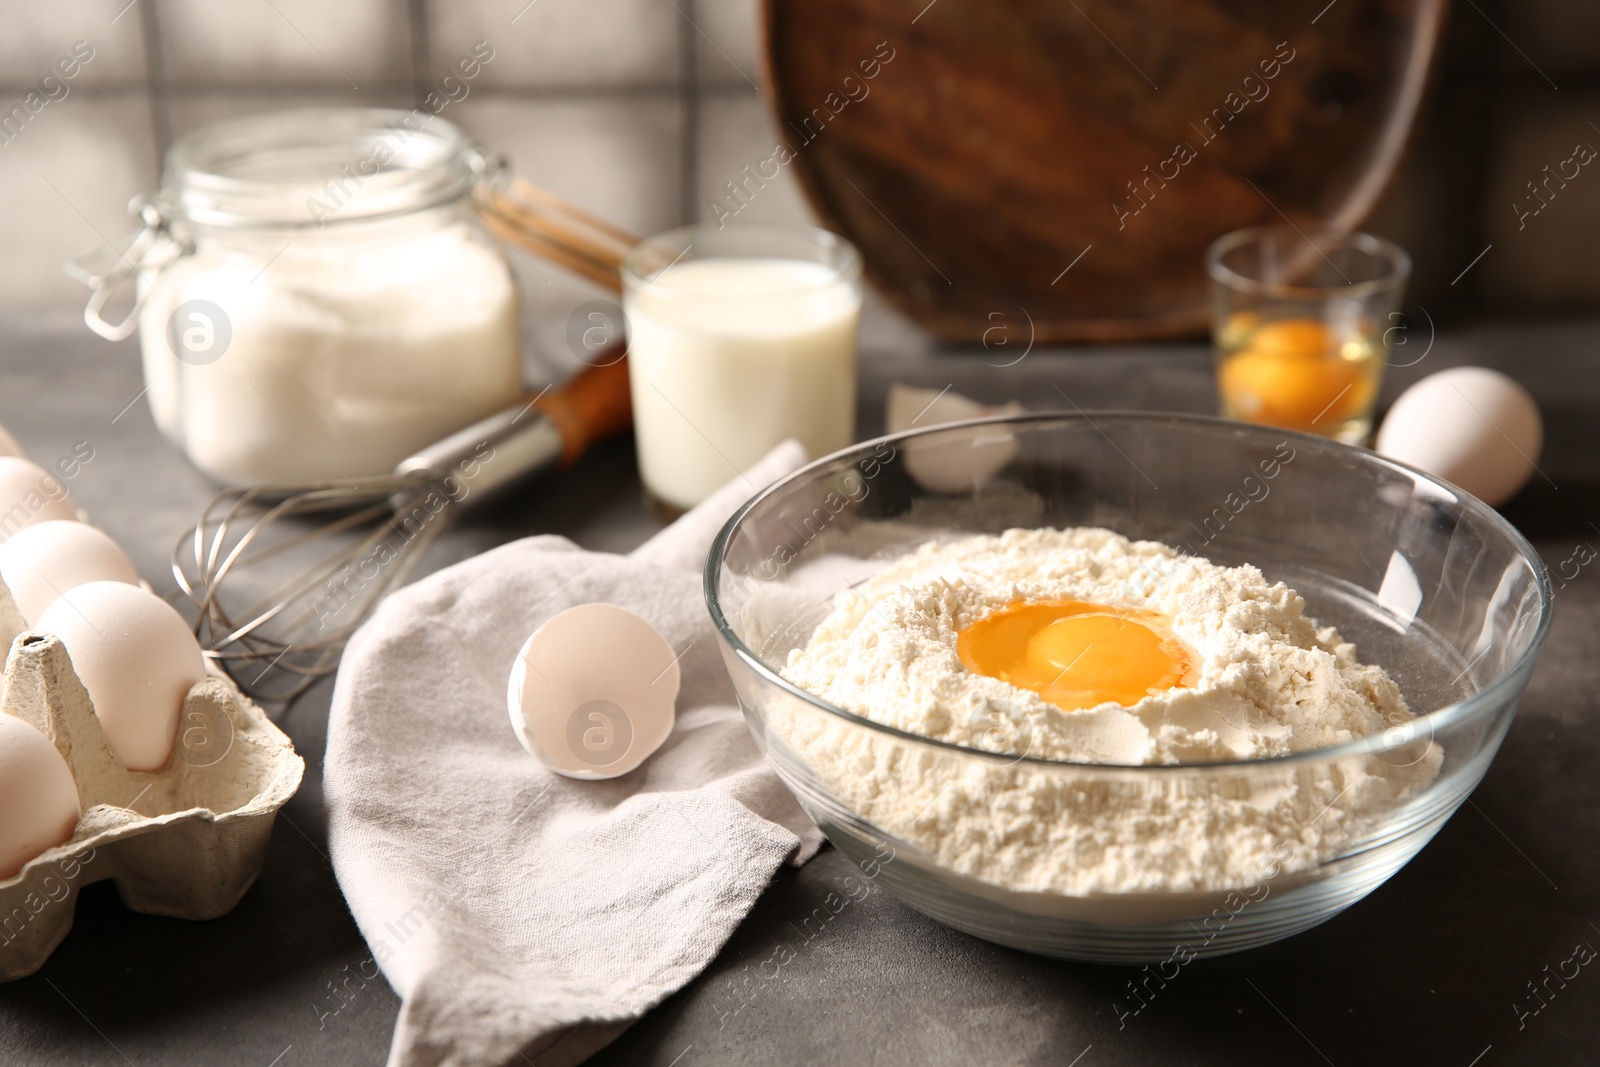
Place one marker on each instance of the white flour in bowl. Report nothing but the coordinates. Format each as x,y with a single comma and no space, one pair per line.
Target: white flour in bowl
1269,683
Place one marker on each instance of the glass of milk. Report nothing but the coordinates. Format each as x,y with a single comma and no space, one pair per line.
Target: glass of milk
738,339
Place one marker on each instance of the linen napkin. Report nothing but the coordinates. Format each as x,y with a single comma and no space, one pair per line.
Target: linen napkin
520,915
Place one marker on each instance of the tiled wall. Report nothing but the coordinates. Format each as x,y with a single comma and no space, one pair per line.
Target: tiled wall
640,109
636,109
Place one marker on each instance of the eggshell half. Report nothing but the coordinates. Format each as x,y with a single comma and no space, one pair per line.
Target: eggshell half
592,693
44,560
136,657
962,465
38,799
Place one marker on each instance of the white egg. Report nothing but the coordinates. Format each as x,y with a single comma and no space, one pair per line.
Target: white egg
954,466
44,560
136,657
38,798
8,444
1469,425
30,494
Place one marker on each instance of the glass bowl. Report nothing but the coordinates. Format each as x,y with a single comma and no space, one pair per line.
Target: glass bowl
1428,582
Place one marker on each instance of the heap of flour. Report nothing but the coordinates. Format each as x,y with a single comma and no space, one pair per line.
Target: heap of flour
1270,683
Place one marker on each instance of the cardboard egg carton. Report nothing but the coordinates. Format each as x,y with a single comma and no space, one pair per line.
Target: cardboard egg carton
186,841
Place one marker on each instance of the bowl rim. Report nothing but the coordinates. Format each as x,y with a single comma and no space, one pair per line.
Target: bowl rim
1489,697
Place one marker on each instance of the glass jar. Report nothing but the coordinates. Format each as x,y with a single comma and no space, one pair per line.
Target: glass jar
737,339
1301,323
317,295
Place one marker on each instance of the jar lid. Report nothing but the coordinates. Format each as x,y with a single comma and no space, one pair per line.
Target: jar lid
317,166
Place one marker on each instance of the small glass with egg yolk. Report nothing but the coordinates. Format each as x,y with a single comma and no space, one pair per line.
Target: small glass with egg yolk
1303,323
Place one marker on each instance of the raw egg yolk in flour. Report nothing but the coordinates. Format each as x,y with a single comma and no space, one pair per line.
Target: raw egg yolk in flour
1078,655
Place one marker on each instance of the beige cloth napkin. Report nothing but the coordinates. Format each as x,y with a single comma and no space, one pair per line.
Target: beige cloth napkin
521,915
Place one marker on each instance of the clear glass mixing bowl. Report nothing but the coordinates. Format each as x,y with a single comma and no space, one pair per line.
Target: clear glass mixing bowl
1428,582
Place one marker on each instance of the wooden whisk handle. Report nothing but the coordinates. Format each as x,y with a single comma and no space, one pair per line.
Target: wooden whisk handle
537,433
593,405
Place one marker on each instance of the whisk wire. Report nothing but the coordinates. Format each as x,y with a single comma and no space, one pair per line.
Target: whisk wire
286,626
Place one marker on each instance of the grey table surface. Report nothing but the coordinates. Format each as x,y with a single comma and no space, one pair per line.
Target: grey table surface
1426,970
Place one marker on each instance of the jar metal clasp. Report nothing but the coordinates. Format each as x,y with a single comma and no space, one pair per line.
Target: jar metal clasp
137,258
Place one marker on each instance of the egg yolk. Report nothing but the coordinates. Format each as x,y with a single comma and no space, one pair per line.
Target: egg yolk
1292,374
1292,337
1078,655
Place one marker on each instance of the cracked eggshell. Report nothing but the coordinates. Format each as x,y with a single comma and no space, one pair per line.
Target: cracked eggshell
187,840
960,463
593,692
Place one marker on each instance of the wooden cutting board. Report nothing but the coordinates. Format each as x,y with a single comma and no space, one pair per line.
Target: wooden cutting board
1068,161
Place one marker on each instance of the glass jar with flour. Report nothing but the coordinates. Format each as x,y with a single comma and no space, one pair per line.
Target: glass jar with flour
317,296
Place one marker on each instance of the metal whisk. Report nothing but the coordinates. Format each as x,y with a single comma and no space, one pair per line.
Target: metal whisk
288,628
277,604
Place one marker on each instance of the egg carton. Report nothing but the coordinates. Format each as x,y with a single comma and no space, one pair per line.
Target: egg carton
187,841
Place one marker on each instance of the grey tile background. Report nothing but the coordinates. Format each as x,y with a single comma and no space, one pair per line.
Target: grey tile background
642,109
352,44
